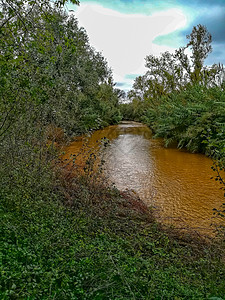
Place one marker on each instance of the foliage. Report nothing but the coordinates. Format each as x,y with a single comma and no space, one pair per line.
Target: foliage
216,149
49,251
200,42
52,65
179,97
188,116
51,81
173,72
64,238
133,111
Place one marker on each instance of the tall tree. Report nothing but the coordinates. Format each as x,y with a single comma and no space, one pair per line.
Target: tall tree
200,43
174,72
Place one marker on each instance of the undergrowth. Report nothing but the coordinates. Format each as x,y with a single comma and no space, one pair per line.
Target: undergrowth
90,241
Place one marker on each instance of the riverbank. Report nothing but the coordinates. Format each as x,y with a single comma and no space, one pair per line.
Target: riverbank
97,243
90,241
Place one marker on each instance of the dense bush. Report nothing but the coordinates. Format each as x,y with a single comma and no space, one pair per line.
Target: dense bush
188,117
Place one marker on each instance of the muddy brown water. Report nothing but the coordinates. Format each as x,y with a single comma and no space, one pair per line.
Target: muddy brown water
174,182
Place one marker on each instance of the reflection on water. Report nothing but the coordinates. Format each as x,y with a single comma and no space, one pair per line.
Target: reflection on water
176,183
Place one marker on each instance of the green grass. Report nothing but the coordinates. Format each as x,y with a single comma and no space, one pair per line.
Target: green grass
49,251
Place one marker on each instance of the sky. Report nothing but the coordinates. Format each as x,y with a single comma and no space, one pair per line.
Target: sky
126,31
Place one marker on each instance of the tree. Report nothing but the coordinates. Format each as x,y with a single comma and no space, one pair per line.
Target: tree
200,43
174,72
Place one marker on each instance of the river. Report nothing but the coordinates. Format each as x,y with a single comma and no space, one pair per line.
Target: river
174,182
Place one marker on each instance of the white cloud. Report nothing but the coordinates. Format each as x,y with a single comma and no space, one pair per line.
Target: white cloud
125,40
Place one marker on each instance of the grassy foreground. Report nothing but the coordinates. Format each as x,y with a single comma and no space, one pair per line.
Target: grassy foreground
97,243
